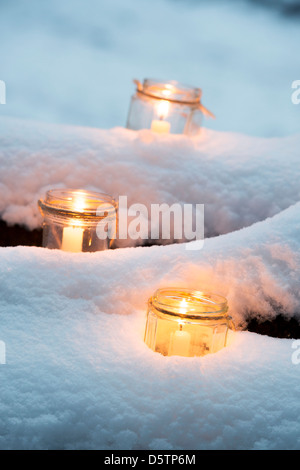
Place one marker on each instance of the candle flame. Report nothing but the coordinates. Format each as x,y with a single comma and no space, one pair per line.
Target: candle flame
79,203
166,93
168,90
183,306
163,109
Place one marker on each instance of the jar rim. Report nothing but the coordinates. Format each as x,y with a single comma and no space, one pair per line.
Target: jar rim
189,303
170,90
77,203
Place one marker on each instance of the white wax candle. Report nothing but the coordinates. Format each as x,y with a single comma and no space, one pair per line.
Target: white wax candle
180,340
180,343
73,235
72,239
161,127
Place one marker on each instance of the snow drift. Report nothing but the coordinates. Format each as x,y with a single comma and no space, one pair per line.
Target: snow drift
238,178
77,372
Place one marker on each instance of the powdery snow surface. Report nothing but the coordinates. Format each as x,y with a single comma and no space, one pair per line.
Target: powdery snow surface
238,178
78,374
79,378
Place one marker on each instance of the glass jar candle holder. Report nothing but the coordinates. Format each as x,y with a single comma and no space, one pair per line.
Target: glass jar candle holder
183,322
78,220
166,108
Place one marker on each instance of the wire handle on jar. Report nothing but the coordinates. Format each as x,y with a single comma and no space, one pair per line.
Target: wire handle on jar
206,111
230,323
203,109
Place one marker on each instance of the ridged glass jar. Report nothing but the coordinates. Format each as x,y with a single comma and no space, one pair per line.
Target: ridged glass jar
183,322
77,220
166,108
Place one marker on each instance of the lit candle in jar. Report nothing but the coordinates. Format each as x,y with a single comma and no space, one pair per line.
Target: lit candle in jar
180,340
73,235
186,322
72,239
166,107
160,125
78,220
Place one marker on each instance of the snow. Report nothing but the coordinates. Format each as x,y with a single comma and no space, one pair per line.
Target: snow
237,177
90,382
77,372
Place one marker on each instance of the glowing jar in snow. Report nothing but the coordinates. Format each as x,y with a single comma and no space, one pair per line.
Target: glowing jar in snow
182,322
78,220
166,108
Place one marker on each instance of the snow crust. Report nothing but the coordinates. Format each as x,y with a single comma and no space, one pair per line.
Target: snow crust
238,178
77,372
